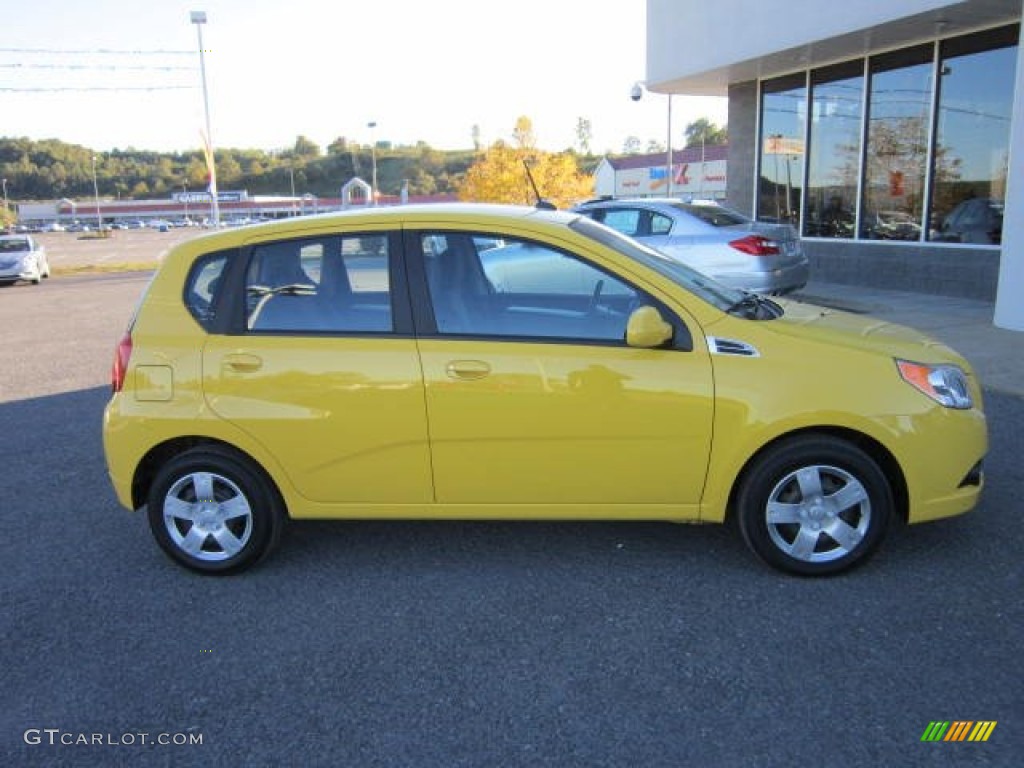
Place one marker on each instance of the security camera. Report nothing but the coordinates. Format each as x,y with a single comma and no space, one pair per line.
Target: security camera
636,92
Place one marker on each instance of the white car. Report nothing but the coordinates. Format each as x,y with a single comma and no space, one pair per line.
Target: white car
22,258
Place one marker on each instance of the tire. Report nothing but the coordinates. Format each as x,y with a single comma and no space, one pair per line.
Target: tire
814,506
214,512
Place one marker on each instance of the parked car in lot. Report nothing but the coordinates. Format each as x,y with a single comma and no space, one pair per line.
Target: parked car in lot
484,362
22,257
720,242
977,220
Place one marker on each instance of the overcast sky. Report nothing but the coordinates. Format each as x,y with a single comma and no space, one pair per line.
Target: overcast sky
422,70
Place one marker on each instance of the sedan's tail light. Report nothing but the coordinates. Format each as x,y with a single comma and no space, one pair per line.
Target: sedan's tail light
756,245
121,357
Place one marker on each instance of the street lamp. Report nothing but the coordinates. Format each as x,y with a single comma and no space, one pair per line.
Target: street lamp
199,18
291,175
5,201
636,93
96,195
373,158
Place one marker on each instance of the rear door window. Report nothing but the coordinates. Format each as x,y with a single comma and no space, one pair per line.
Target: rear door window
323,285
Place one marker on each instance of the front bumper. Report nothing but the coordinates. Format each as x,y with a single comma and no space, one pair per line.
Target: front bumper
21,269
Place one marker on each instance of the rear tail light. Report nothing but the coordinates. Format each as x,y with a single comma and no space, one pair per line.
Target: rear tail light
756,245
121,357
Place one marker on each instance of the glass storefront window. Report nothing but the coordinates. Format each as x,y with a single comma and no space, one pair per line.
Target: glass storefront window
971,158
899,106
783,115
833,161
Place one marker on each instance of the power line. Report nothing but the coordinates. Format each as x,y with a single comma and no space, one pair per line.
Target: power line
106,67
5,89
104,51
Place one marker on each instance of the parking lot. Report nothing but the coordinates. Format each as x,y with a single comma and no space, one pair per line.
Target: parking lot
467,644
71,251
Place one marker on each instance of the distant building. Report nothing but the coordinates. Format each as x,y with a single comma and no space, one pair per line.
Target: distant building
195,206
697,172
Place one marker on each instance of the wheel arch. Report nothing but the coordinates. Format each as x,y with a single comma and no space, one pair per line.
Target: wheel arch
874,449
158,455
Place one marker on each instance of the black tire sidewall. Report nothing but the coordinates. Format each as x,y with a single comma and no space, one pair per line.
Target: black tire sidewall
267,514
782,459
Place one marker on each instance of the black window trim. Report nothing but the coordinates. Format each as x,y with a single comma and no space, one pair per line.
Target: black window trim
232,301
423,313
219,307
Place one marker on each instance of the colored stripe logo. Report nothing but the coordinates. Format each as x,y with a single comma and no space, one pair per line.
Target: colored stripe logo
959,730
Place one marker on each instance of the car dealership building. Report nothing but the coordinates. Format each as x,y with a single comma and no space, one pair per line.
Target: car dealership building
890,134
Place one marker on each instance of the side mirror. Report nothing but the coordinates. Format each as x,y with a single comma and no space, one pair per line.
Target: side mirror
647,329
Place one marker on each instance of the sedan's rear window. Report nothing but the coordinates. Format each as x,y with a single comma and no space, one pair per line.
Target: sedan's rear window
715,215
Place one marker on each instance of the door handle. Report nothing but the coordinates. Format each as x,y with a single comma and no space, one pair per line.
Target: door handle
242,362
467,370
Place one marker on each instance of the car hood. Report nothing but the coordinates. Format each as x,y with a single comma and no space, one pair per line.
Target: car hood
838,328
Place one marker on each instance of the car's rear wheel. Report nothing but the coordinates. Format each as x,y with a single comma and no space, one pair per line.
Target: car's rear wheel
213,512
814,505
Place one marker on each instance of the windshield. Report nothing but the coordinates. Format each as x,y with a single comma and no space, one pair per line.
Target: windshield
713,292
14,245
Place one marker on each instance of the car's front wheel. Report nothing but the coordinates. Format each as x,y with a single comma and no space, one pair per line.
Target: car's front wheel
213,512
814,505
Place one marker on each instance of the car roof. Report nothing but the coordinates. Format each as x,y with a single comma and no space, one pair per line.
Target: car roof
436,214
652,203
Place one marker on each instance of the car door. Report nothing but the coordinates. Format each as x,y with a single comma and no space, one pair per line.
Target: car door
323,371
534,399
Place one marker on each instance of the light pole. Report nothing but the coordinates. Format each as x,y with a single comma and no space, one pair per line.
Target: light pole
291,175
5,203
184,200
199,18
373,159
637,93
96,196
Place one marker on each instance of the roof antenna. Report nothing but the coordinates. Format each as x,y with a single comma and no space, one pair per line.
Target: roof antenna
541,203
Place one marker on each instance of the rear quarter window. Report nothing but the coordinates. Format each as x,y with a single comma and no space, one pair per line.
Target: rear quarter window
202,286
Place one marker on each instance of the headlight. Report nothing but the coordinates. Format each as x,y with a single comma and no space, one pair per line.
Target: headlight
945,384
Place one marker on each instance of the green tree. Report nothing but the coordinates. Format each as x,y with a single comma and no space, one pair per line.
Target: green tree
704,131
306,148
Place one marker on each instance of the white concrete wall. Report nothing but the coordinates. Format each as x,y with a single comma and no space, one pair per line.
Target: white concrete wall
604,179
1010,292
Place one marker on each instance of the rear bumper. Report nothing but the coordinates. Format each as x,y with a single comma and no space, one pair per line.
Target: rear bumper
785,279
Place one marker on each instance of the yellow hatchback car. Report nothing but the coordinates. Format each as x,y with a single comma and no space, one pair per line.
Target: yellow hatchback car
489,362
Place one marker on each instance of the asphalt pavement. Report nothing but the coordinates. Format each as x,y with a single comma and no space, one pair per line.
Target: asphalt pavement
473,644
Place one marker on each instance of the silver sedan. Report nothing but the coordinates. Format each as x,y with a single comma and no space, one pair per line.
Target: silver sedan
715,240
22,258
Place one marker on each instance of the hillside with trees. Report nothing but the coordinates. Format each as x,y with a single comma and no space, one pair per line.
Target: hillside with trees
51,169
